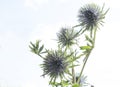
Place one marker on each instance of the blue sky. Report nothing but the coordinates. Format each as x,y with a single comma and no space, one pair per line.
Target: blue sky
22,21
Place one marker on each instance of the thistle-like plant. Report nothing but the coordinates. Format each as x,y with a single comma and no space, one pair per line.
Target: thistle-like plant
61,63
67,37
90,16
55,64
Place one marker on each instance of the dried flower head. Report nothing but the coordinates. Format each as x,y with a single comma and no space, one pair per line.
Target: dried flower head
67,37
91,16
55,64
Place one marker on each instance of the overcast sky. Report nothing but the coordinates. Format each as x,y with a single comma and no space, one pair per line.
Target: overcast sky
22,21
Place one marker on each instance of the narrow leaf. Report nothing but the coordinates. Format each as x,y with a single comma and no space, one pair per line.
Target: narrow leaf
33,46
41,48
85,47
89,39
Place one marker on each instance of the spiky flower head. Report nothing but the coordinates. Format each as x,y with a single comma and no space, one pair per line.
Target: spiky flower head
91,16
83,80
55,64
67,36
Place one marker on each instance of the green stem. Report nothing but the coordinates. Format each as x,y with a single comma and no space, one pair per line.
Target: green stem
94,37
40,56
87,56
73,70
73,74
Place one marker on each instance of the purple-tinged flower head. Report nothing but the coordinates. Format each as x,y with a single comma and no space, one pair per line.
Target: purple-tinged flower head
91,16
55,64
67,36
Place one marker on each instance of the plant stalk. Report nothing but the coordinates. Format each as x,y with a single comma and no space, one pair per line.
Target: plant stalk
87,56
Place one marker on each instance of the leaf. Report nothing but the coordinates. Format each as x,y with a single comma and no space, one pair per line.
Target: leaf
70,55
77,57
37,44
33,46
85,47
76,85
41,48
73,66
68,72
65,83
30,47
76,26
89,39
